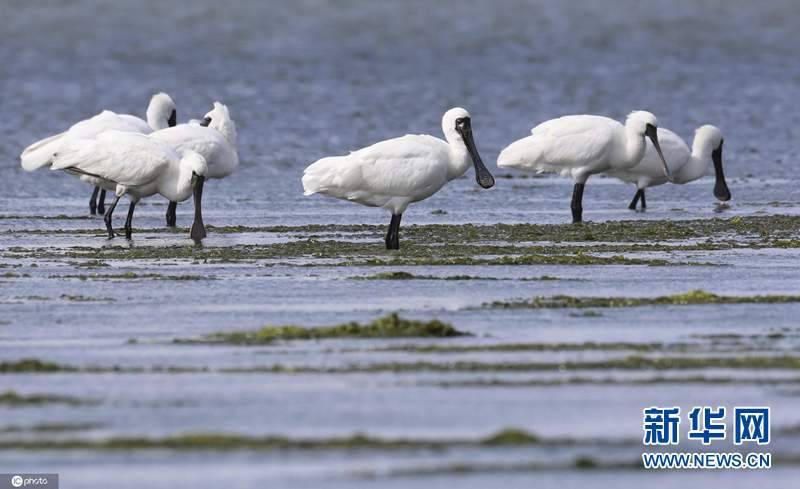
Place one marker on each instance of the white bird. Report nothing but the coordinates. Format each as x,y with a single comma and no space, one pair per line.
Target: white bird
396,172
161,113
583,145
132,164
214,138
685,165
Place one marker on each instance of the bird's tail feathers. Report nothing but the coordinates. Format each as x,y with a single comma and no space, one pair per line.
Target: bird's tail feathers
322,175
40,153
521,154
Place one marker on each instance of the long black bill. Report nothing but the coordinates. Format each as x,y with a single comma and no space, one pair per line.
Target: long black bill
482,175
720,186
173,119
198,231
205,122
652,132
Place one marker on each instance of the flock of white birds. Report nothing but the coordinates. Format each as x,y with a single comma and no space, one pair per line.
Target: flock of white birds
130,156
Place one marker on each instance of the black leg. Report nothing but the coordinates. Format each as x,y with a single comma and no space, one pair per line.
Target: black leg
101,202
577,202
107,217
393,235
639,194
129,221
644,202
93,202
171,217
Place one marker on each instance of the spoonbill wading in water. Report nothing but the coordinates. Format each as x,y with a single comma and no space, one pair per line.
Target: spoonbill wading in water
583,145
133,164
396,172
161,113
685,165
214,138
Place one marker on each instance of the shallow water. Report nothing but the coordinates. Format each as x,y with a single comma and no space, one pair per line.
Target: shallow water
310,78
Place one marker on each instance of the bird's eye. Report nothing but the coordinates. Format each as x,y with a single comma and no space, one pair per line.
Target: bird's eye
460,121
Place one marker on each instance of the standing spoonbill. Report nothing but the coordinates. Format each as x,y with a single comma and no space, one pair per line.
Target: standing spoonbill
161,113
132,164
686,165
396,172
581,146
214,138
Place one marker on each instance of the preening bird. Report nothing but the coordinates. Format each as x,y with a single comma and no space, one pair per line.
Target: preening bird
214,138
583,145
133,164
394,173
685,165
161,113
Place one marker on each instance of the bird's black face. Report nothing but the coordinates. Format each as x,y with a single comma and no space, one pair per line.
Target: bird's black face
482,175
651,132
721,190
173,118
206,121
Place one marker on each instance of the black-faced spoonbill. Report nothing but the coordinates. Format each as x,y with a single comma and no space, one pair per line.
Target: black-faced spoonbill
583,145
161,113
133,164
396,172
214,138
685,165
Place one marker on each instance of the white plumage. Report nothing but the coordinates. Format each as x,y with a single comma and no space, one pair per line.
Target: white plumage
159,113
394,173
215,138
389,174
131,164
582,145
686,165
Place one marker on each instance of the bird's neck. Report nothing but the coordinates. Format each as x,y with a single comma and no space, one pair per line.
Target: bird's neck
156,121
698,162
634,146
459,157
178,182
227,128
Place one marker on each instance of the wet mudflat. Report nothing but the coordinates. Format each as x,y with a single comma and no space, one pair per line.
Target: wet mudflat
522,351
499,344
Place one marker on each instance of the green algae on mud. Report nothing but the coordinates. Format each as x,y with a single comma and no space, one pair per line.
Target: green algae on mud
390,326
495,468
85,298
50,428
223,441
579,380
13,399
399,275
538,347
694,297
633,362
342,253
773,226
132,276
500,244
